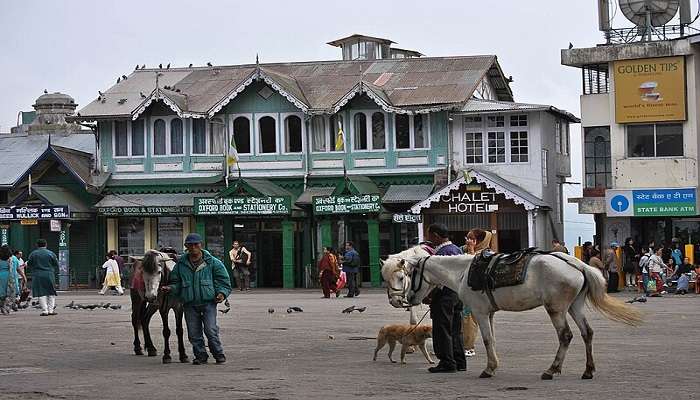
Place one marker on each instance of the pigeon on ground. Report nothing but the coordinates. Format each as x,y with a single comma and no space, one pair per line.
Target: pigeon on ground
270,310
35,302
225,311
361,309
349,310
91,306
106,306
70,305
115,306
289,311
639,299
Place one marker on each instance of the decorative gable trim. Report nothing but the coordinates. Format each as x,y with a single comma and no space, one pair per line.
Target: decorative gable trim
361,88
158,94
291,98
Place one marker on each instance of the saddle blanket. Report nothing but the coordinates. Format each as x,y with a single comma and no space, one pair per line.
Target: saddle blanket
497,270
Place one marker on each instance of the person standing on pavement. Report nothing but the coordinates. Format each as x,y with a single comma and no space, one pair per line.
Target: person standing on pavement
8,280
112,276
240,264
351,266
656,267
200,281
611,267
43,264
328,272
630,262
477,241
446,312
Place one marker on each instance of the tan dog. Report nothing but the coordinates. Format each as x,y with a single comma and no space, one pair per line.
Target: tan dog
407,335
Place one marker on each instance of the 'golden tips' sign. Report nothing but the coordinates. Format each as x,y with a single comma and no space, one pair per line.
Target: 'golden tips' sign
650,90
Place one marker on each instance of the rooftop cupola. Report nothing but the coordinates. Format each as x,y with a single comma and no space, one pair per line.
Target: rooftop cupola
361,47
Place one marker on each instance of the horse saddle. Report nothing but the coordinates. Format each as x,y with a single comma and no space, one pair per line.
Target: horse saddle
491,270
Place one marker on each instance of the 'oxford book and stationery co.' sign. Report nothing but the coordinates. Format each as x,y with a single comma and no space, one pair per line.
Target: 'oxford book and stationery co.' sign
353,204
145,211
37,213
243,205
650,90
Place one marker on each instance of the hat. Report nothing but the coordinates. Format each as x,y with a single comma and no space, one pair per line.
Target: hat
193,238
614,244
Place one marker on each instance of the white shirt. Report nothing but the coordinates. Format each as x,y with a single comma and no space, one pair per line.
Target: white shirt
656,264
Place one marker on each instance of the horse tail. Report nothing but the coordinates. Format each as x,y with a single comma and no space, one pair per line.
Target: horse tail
609,306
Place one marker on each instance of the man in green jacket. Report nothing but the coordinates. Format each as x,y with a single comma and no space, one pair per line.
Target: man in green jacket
200,281
43,264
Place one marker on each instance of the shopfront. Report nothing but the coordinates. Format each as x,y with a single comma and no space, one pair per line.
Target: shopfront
516,219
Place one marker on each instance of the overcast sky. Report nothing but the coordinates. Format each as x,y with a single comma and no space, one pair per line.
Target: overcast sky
80,47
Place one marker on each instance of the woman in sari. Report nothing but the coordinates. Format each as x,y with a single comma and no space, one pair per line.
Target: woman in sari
8,280
328,272
478,240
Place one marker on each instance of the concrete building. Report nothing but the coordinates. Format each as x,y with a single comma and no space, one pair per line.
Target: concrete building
639,108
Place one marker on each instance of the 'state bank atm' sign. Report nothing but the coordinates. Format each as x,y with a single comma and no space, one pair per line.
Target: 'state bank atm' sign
651,202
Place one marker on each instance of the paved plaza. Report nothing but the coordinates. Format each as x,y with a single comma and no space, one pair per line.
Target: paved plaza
324,354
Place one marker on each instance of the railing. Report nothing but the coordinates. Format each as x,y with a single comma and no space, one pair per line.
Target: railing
665,32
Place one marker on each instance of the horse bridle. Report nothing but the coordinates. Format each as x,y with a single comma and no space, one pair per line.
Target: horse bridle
402,293
421,267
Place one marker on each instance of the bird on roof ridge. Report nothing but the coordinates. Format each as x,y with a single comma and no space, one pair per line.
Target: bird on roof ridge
209,64
167,66
119,79
160,65
137,67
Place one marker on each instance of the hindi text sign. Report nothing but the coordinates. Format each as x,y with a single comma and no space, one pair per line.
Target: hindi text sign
243,205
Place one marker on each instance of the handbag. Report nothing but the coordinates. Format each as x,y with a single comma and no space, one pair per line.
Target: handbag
651,285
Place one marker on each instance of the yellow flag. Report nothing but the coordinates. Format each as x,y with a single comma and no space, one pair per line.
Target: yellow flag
339,140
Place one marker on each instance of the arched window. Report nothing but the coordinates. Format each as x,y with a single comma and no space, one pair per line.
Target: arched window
292,134
268,135
176,136
216,136
318,132
378,131
360,127
241,135
159,138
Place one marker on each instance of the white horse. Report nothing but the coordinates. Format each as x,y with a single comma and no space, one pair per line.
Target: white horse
416,251
559,282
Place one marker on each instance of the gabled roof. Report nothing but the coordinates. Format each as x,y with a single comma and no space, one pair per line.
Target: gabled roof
21,152
405,85
480,106
491,181
357,37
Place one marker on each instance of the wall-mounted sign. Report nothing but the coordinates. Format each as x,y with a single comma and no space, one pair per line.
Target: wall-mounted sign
651,202
650,90
29,221
145,211
55,225
357,204
243,205
4,234
43,212
406,218
470,202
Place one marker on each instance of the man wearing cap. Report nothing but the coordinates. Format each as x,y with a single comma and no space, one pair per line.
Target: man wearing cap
611,267
200,281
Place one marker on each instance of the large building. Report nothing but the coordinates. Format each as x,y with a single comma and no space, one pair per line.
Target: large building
639,108
409,123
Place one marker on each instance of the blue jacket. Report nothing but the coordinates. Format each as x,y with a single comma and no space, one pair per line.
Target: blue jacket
351,261
449,250
201,285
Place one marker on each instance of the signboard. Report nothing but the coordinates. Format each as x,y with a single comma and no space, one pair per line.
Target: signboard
650,90
353,204
651,203
154,211
55,225
63,258
468,202
42,212
4,234
29,221
407,219
243,205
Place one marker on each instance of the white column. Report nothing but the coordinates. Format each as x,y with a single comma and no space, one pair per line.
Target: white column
420,232
531,240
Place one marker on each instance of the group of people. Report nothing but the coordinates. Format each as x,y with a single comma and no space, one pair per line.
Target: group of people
333,278
651,269
14,288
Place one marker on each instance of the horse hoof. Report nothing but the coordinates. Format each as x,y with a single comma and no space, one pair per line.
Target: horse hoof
184,359
138,352
587,376
547,376
485,374
152,353
167,360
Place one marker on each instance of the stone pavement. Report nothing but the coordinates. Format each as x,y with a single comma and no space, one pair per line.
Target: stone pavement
323,354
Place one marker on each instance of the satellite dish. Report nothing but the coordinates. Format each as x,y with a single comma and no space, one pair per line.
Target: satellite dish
643,12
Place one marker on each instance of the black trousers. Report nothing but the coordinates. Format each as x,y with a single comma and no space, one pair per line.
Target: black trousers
613,281
446,313
352,283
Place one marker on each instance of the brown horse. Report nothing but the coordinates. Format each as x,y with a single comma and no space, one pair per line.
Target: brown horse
151,272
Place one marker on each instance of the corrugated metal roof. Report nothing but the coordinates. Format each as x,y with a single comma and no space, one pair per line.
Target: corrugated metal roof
267,188
21,151
396,194
151,200
412,82
310,192
60,196
480,106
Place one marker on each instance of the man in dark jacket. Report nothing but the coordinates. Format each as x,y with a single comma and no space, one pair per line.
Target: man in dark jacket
351,266
200,281
446,312
43,263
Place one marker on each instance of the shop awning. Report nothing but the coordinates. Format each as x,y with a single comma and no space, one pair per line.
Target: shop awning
357,185
491,181
256,187
402,194
306,197
56,195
